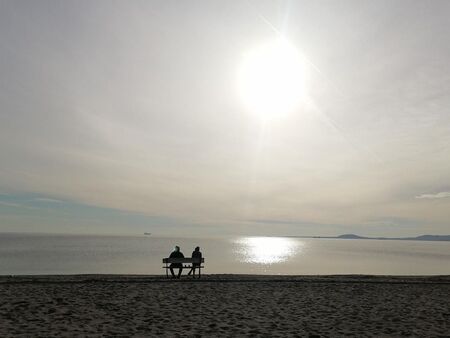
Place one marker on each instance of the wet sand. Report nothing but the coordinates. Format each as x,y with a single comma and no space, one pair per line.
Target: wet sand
224,305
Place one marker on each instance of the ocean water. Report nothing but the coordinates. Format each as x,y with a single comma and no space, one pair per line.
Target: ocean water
76,254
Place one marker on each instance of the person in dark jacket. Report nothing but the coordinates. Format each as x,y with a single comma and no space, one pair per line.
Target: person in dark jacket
195,254
176,253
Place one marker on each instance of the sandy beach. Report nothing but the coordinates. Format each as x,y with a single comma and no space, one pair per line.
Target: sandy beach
224,305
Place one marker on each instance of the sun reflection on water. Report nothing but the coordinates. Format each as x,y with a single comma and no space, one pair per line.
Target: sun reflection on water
266,250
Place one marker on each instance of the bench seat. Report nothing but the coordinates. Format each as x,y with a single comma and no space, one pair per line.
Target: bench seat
186,262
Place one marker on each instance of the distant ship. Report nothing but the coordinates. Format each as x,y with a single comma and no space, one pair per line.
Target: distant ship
147,233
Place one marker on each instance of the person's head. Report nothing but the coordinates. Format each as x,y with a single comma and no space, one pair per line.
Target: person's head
177,248
197,248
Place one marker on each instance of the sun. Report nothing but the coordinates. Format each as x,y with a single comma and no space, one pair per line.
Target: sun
271,79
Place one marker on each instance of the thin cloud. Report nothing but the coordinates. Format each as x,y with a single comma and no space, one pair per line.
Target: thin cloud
16,205
49,200
443,194
8,204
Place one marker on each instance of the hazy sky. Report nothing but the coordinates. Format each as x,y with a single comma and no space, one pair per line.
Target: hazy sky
124,116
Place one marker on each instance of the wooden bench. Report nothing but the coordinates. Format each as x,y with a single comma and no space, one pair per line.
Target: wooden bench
188,263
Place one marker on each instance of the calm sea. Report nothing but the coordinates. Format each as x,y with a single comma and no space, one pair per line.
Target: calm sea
73,254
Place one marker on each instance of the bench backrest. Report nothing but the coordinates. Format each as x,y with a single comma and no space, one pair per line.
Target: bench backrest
184,260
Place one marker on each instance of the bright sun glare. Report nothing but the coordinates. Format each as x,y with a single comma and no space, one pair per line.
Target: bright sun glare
266,250
271,79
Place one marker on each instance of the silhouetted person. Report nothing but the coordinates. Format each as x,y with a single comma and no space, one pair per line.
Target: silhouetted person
176,253
196,254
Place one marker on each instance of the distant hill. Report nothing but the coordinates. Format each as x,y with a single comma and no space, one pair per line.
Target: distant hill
432,238
350,236
418,238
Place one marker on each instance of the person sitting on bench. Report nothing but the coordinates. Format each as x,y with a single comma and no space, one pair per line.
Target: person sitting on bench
196,254
176,253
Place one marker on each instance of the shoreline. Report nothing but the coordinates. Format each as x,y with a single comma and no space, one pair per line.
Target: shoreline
219,278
